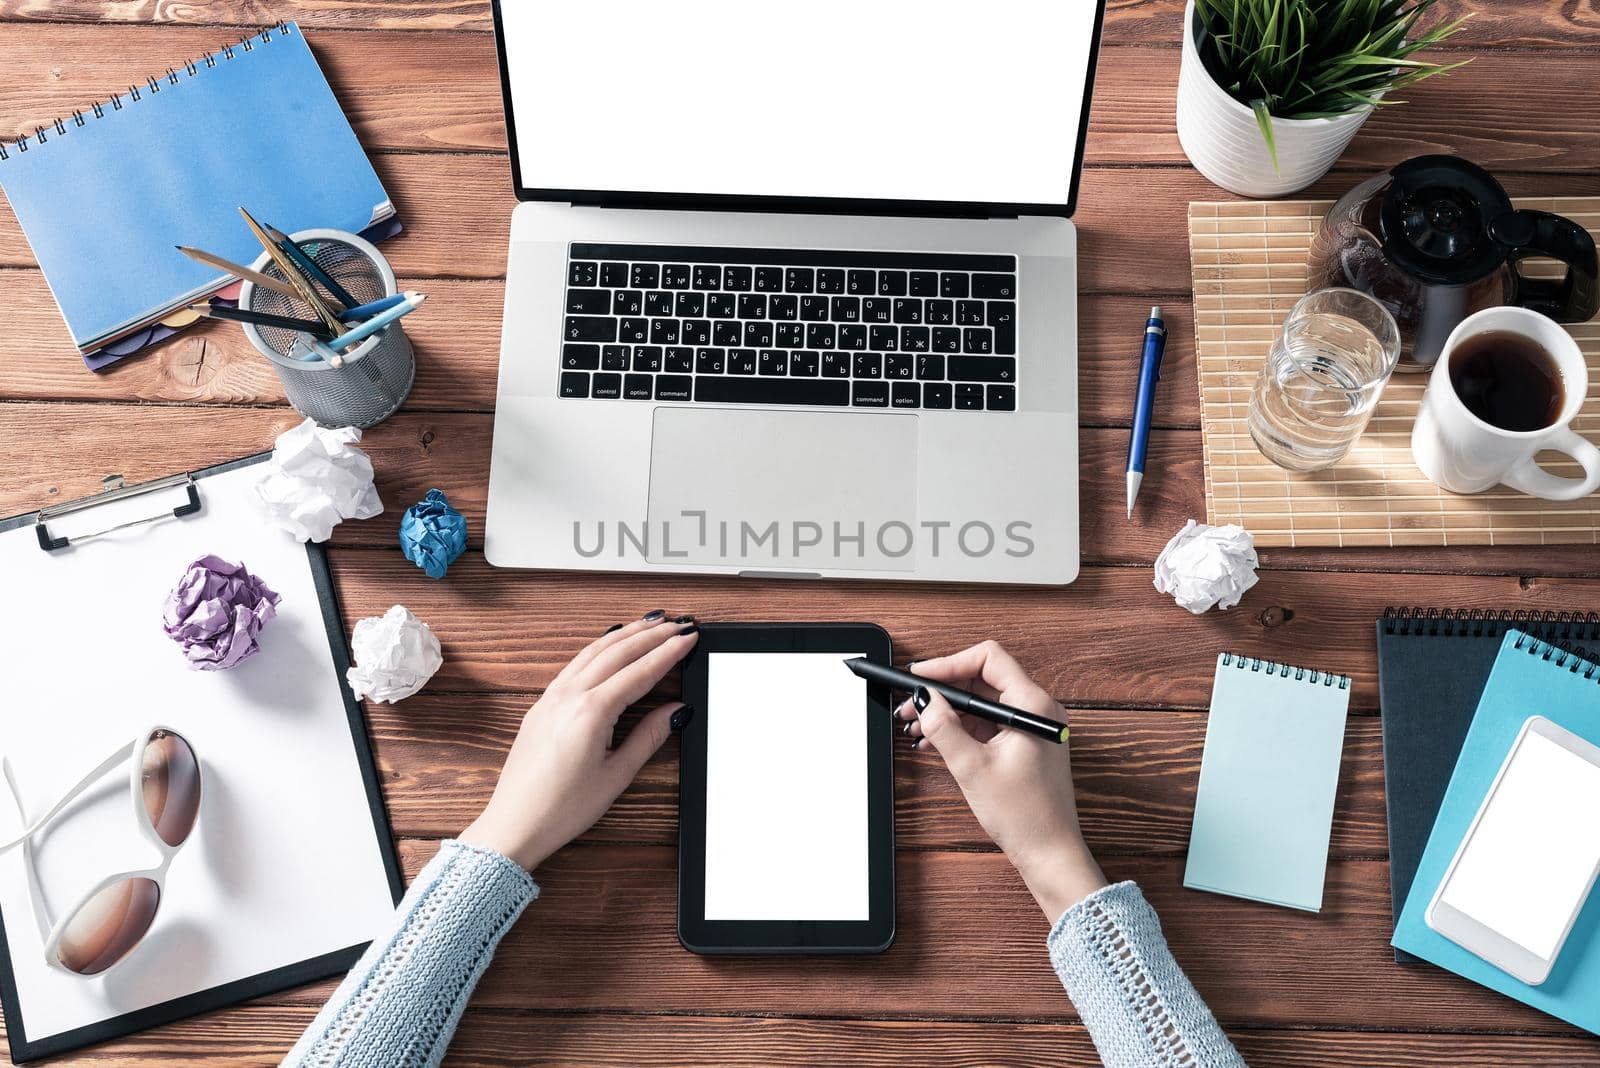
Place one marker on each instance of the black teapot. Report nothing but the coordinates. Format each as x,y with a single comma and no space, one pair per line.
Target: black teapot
1436,239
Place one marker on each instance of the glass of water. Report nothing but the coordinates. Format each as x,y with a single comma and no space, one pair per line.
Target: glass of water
1322,379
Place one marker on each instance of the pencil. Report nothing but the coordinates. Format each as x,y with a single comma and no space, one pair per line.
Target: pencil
258,318
228,266
308,291
309,266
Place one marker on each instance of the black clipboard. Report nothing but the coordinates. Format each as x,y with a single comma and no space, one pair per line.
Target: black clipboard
325,966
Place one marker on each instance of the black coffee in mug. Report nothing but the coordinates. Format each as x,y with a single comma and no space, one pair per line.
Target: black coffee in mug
1508,380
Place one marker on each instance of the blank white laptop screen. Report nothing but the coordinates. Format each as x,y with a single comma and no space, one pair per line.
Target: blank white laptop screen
1534,848
880,99
786,788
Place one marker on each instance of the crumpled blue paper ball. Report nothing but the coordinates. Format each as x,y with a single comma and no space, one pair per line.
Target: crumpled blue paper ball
433,534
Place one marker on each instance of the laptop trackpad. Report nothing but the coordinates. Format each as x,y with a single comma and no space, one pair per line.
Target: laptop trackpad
779,489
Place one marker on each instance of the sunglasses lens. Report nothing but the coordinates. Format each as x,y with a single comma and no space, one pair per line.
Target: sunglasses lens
171,779
109,924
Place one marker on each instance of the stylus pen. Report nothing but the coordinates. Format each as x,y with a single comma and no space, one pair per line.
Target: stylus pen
1144,402
961,700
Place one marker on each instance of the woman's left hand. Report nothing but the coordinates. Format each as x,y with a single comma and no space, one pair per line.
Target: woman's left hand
562,774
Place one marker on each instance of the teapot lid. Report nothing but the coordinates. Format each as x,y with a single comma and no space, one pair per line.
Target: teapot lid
1437,216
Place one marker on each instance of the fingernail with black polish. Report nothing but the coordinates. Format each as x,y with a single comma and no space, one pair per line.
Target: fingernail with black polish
683,619
692,628
680,718
613,627
651,617
905,728
921,698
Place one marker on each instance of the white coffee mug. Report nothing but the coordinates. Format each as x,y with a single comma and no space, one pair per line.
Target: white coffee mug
1464,454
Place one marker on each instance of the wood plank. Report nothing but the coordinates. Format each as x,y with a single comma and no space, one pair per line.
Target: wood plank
1135,771
1132,122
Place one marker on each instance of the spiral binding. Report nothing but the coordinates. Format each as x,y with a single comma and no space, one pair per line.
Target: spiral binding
1272,667
1484,623
1562,655
151,85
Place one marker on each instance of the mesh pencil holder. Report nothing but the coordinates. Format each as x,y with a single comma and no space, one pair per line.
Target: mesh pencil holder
377,373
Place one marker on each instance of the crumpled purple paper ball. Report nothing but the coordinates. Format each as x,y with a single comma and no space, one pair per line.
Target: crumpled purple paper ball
215,612
433,534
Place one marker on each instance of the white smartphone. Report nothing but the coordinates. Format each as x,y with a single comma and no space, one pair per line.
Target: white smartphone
1527,863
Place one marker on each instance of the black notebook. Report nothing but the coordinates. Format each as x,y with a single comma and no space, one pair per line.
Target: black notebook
1432,666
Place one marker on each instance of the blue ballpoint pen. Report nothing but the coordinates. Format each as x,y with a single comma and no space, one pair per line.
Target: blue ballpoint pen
1155,342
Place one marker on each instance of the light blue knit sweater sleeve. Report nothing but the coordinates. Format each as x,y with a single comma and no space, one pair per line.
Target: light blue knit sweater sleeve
1139,1007
400,1004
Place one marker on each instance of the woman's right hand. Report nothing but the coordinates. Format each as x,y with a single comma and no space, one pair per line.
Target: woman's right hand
1019,786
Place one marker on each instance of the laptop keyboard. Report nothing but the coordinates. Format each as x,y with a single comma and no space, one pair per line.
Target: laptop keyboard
790,326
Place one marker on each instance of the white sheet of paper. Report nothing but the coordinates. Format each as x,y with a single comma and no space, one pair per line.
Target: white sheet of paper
786,788
283,864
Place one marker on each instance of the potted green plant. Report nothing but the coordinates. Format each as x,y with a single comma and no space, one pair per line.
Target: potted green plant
1271,91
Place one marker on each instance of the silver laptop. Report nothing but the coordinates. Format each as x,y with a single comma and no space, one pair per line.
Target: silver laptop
792,288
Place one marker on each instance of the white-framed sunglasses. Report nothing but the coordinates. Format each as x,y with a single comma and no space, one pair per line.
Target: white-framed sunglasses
115,914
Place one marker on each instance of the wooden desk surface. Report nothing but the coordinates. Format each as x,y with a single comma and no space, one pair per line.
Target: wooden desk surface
593,974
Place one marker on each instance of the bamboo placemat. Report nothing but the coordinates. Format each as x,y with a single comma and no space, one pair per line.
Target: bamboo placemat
1249,263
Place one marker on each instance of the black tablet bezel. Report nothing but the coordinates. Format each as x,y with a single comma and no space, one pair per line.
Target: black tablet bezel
699,935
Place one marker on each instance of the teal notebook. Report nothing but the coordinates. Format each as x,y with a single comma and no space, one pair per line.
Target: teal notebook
1530,677
1264,808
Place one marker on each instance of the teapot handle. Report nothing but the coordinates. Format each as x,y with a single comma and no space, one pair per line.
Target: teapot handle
1573,298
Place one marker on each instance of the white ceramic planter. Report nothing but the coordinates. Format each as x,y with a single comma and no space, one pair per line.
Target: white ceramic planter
1221,139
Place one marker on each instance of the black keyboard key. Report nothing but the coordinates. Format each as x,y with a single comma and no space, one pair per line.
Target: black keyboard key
995,286
627,302
853,337
782,307
1003,318
977,340
663,331
946,339
736,279
678,360
769,279
953,284
707,276
637,387
674,387
939,312
868,365
589,328
613,276
924,284
930,368
675,276
1002,398
757,335
905,395
727,334
647,358
607,387
710,361
588,302
869,394
721,305
908,311
771,391
983,368
936,395
913,339
741,361
814,309
799,280
846,309
898,366
633,331
614,357
790,336
690,305
574,384
645,276
696,332
862,283
969,313
835,365
885,339
804,364
830,280
752,306
772,362
820,335
877,310
657,302
969,398
583,273
891,283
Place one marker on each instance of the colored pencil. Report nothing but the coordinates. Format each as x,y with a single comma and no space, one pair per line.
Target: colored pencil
309,266
259,318
378,322
229,267
308,290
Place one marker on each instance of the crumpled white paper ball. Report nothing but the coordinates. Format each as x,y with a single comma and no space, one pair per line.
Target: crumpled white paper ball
395,655
1205,566
316,479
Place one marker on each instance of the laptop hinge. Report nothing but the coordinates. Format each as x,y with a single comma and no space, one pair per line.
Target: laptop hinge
697,202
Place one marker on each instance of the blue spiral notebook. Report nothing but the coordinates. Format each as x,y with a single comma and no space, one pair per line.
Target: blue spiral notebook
104,195
1530,677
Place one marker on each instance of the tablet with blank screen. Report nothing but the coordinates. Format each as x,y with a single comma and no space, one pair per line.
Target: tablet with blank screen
786,822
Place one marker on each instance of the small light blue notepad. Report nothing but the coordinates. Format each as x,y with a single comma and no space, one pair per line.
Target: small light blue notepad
1264,808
